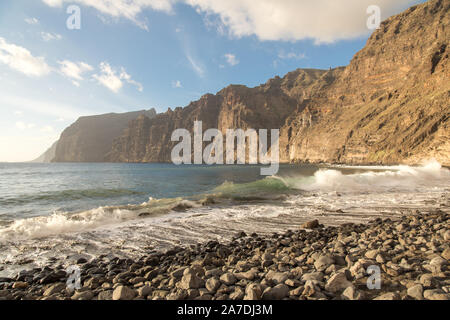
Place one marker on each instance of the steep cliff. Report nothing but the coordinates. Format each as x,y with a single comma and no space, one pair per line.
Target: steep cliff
263,107
90,138
390,105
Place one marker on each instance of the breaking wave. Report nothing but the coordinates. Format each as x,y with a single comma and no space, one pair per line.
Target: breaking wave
277,188
401,177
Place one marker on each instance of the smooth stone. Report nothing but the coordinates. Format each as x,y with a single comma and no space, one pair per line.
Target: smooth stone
280,291
123,293
337,282
416,292
228,279
191,281
388,296
310,224
435,294
105,295
55,288
276,277
351,293
212,284
85,295
253,291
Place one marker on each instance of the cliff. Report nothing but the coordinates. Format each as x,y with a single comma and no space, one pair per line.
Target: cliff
390,105
90,138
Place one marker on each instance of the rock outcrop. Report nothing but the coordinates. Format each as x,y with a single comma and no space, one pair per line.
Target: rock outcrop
89,139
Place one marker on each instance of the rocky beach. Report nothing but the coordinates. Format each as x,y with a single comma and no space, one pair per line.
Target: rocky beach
356,209
315,262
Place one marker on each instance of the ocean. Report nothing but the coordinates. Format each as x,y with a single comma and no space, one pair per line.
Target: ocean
56,213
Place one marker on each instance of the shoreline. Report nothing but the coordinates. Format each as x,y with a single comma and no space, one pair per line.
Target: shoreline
317,262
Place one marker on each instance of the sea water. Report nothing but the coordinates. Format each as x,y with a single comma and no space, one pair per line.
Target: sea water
56,213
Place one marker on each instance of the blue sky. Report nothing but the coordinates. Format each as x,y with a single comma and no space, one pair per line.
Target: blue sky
138,54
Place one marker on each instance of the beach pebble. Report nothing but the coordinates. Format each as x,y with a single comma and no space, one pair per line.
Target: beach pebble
123,293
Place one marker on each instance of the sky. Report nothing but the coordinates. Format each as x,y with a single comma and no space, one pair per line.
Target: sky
62,59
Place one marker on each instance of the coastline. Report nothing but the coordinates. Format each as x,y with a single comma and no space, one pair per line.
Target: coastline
312,263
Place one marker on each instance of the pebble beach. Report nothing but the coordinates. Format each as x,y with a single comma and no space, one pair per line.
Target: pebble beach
315,262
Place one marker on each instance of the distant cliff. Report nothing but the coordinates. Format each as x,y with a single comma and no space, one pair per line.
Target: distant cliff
390,105
89,139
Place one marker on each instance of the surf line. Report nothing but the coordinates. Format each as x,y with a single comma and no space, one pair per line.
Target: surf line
237,141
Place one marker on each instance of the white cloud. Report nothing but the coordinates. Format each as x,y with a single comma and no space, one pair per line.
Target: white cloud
231,59
18,113
291,55
74,70
289,20
20,59
196,66
22,125
177,84
108,77
31,20
125,76
129,9
47,129
321,20
47,36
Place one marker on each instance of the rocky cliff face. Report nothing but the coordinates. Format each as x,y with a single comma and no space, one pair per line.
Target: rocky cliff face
89,139
390,105
264,107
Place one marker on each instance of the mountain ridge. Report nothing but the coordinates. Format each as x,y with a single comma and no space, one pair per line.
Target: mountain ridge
390,105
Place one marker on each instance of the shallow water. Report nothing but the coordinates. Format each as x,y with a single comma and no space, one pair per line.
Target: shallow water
65,211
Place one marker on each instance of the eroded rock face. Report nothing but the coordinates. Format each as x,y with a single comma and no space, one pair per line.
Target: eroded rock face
390,105
89,139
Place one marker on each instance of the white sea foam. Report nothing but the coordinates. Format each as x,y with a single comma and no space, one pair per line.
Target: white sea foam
398,177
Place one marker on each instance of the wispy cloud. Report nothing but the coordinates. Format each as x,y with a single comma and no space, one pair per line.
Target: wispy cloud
177,84
48,36
231,59
22,125
47,129
128,9
74,70
109,78
20,59
196,66
31,20
125,76
291,55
